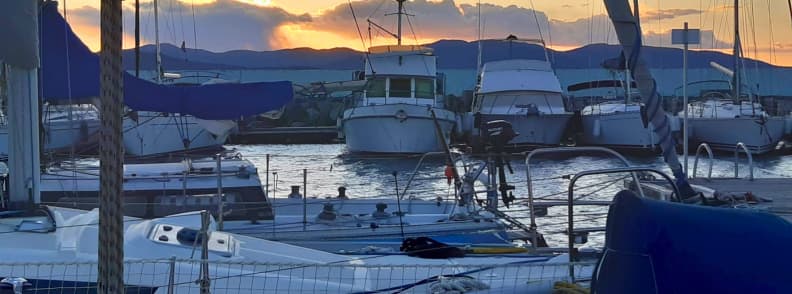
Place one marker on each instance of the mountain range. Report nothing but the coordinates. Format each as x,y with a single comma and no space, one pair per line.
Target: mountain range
452,54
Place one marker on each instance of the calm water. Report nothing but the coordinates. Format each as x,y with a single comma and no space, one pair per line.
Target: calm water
329,166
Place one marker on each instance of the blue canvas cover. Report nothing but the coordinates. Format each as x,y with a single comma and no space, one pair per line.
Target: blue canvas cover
70,74
663,247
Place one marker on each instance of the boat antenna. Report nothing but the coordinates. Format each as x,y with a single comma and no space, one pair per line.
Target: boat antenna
628,31
789,4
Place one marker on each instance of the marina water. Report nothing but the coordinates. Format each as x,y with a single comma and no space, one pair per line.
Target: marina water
330,166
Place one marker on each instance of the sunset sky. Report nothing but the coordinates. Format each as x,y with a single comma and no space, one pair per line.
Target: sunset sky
222,25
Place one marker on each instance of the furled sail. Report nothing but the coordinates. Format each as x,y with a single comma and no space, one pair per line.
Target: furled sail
629,32
70,74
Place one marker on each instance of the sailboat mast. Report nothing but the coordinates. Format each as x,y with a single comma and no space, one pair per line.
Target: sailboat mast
157,41
400,13
737,50
478,61
137,38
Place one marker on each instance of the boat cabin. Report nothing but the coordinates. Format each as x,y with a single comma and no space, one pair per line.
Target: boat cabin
401,74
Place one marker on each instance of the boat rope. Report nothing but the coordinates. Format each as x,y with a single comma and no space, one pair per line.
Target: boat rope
360,34
111,210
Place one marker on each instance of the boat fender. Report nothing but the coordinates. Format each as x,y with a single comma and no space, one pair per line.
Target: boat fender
425,247
449,174
596,131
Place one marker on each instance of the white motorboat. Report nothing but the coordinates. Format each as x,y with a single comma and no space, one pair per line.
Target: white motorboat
395,112
526,93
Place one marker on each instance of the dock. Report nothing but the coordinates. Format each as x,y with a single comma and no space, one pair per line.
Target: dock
286,135
778,190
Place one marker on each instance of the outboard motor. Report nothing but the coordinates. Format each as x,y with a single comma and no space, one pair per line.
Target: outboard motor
496,134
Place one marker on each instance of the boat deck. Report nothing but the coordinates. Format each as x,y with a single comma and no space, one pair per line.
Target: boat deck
779,190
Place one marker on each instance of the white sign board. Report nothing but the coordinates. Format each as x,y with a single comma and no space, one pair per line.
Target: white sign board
678,36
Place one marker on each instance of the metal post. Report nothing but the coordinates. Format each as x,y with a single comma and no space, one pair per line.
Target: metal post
172,275
205,283
305,199
111,210
220,197
266,177
685,100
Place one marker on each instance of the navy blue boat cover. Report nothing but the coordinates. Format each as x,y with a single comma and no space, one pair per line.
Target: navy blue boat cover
70,73
663,247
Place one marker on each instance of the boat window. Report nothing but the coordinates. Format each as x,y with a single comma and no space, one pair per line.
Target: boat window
424,88
376,87
400,87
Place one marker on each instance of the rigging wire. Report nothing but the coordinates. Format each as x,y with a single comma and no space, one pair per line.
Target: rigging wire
773,57
360,34
195,24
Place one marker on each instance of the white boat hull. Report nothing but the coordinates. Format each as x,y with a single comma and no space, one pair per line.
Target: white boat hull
60,135
534,130
395,128
156,133
617,130
724,134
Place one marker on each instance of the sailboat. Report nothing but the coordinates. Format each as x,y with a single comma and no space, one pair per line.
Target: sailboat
148,133
614,123
163,117
724,121
394,113
525,93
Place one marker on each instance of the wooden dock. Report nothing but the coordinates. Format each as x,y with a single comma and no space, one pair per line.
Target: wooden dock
286,135
779,190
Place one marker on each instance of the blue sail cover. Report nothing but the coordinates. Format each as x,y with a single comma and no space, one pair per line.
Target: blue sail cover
70,74
663,247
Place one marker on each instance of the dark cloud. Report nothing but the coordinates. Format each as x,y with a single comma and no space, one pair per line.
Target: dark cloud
228,25
664,14
220,26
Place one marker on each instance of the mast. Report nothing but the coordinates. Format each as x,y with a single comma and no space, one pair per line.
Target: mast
156,40
478,61
20,66
399,29
737,50
137,38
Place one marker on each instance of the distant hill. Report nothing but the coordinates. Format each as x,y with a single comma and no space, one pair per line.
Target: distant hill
452,54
